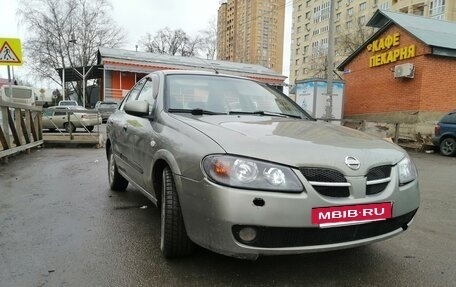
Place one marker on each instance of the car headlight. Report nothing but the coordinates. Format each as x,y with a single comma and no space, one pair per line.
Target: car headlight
407,171
250,174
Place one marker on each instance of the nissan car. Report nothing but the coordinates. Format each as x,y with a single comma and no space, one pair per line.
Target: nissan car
237,167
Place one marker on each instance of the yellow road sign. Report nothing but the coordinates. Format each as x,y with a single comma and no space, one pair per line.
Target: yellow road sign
10,52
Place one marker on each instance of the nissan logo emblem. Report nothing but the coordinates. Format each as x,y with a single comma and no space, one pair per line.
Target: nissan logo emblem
352,162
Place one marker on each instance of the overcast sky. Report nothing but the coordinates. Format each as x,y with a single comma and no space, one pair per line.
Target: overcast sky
138,17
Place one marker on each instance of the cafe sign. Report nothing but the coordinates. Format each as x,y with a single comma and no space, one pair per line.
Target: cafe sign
389,51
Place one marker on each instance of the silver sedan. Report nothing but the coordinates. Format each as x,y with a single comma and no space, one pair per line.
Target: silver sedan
237,167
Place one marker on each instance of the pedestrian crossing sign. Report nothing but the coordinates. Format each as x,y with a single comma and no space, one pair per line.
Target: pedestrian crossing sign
10,52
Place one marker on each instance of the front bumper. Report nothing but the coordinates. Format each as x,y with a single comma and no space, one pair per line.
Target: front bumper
214,214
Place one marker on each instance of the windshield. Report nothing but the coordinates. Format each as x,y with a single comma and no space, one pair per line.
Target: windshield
225,95
67,103
108,105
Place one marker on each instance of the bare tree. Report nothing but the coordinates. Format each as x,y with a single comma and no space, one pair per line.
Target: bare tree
66,33
209,39
171,42
348,40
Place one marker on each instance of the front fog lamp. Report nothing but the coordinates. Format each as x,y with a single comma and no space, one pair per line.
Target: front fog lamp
407,171
247,234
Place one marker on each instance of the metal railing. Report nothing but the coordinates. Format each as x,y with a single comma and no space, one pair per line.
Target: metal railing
66,123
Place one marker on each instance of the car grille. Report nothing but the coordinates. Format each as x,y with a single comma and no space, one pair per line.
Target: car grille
378,179
280,237
332,183
327,182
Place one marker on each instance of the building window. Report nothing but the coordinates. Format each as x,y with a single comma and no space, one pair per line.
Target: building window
349,24
299,18
338,16
436,8
299,7
298,30
298,51
308,3
308,15
384,6
362,6
297,62
362,20
350,11
306,37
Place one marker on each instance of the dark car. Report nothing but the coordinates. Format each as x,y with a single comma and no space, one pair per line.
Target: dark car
106,109
445,134
239,168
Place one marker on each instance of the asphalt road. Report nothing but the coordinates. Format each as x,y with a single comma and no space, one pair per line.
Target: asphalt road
60,225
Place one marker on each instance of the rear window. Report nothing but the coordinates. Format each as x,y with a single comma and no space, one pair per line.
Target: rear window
108,105
20,93
449,118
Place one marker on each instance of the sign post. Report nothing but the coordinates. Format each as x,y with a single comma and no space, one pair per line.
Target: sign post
10,55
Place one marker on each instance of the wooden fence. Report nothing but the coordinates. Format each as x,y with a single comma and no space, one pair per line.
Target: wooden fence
20,128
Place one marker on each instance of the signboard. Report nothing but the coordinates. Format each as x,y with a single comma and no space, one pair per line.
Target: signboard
10,52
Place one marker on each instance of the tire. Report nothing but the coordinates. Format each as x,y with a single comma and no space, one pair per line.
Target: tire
69,127
90,128
174,241
116,181
448,147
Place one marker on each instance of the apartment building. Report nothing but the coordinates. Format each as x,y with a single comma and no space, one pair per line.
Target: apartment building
251,31
310,26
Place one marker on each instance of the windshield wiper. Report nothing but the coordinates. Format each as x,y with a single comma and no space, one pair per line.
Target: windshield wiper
264,113
195,112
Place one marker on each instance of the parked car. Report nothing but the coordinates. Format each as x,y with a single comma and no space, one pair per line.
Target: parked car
70,103
56,117
445,134
262,178
106,108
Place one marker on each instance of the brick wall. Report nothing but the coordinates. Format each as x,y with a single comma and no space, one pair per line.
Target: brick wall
375,91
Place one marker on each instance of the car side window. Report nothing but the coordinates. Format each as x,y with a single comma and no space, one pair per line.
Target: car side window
134,92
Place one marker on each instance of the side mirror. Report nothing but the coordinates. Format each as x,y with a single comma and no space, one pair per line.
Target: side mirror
137,108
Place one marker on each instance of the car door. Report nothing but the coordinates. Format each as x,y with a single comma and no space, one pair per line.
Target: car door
141,131
121,142
55,118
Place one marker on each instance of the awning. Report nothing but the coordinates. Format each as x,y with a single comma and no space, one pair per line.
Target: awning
72,76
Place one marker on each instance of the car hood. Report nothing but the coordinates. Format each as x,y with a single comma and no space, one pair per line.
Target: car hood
295,142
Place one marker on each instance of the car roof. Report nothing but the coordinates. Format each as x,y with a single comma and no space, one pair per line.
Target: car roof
201,72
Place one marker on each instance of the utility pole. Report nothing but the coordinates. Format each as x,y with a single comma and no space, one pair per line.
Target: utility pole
330,61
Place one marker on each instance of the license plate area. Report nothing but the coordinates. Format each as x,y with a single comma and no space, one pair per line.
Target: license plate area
334,216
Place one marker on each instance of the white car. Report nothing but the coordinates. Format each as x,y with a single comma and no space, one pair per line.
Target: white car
57,118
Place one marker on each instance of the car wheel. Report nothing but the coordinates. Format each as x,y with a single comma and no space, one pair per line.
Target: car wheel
116,181
90,128
174,241
448,147
69,127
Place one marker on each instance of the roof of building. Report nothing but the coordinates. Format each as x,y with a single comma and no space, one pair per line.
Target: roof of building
430,31
180,62
440,35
